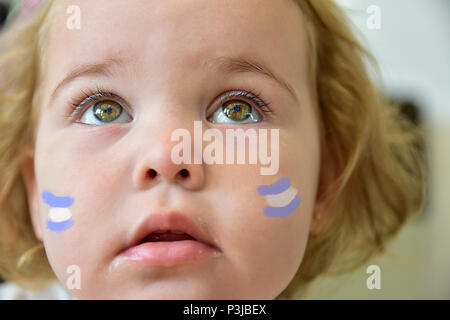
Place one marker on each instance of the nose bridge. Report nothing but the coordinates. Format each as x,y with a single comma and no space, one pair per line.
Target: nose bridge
159,129
169,109
169,104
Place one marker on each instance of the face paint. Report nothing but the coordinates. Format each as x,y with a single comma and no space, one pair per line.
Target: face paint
282,198
59,216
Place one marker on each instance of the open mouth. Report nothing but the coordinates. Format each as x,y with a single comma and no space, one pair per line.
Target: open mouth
167,235
167,239
168,248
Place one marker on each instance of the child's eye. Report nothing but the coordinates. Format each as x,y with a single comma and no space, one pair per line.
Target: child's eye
103,112
99,108
238,111
235,112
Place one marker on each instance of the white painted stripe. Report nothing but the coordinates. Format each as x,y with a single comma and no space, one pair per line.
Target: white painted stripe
281,199
59,214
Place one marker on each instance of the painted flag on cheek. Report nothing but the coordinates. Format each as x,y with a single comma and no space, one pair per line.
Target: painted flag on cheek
59,215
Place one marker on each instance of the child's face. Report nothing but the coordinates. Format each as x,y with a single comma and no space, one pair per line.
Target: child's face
152,55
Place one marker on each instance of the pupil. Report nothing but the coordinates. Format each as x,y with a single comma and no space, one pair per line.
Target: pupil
109,110
237,109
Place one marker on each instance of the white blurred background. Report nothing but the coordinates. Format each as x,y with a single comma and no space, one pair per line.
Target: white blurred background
413,49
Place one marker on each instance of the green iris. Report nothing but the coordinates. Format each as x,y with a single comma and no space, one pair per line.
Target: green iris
107,111
237,111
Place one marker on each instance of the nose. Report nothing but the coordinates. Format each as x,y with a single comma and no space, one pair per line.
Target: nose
156,166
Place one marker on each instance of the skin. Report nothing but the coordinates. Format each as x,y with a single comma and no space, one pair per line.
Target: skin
167,86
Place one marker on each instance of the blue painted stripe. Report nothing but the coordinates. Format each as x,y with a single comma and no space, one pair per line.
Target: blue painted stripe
281,212
55,201
59,226
278,187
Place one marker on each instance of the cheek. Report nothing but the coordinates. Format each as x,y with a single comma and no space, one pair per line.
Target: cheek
284,215
274,246
90,179
80,163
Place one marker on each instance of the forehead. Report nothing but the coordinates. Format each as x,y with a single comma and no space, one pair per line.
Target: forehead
185,33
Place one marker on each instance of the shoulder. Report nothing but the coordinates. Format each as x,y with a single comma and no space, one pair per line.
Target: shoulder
11,291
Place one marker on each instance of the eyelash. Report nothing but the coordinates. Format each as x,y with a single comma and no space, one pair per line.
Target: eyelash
89,97
256,97
86,98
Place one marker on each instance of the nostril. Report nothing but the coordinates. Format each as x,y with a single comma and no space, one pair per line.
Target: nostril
152,173
184,173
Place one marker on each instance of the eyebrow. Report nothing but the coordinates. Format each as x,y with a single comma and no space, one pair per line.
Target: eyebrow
103,68
226,64
231,65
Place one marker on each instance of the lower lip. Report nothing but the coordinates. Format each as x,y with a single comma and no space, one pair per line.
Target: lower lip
166,253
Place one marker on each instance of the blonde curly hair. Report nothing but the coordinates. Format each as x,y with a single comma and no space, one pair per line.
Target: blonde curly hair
380,180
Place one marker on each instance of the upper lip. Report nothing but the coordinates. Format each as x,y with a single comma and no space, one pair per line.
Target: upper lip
172,220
